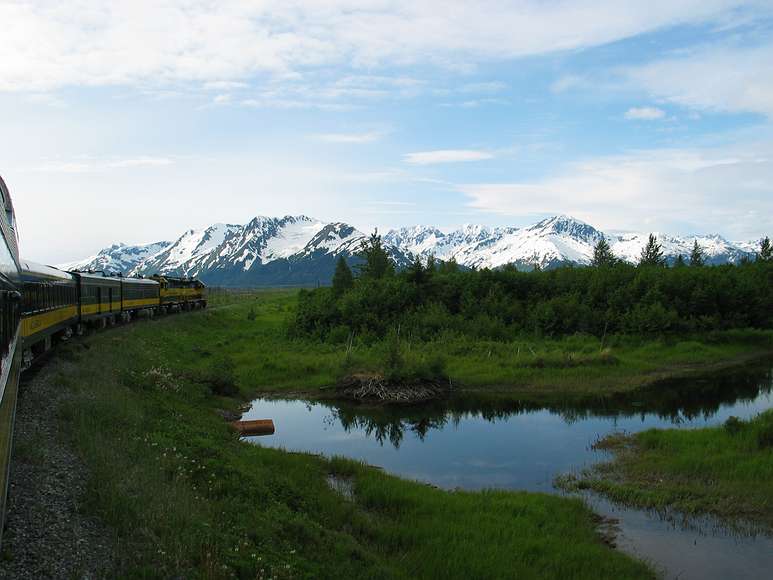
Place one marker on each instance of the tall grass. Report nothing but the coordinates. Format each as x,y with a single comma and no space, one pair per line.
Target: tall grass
253,330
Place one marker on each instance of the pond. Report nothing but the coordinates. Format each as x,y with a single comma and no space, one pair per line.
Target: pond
474,442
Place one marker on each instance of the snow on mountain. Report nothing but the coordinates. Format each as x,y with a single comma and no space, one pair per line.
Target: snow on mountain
427,240
188,255
551,242
629,246
287,250
117,258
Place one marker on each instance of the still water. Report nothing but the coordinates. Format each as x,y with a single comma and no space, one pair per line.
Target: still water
472,443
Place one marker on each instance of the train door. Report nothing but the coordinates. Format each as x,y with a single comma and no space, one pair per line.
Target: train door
99,300
110,299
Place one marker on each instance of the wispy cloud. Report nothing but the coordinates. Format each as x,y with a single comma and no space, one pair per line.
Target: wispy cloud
712,78
645,113
446,156
90,165
349,138
650,186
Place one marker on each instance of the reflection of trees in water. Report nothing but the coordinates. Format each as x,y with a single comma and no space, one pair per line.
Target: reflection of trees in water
389,427
674,400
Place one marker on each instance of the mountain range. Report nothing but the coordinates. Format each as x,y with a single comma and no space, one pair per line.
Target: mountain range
299,250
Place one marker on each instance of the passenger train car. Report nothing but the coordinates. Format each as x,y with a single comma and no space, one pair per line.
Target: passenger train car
40,305
10,349
58,304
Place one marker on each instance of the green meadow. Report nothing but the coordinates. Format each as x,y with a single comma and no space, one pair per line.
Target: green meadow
254,332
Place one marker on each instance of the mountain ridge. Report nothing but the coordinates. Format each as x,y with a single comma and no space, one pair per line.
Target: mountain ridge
300,250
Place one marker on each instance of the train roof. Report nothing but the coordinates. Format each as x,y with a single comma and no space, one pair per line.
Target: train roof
8,221
101,276
33,269
132,280
168,278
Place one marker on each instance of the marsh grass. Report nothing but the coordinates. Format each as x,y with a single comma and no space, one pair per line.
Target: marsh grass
726,471
268,358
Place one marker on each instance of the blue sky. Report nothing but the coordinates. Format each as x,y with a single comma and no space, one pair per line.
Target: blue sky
133,122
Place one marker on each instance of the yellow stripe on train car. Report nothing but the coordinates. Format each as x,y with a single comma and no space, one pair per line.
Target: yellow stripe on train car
87,309
140,302
34,323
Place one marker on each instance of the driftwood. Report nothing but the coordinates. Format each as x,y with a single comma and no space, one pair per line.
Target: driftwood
374,387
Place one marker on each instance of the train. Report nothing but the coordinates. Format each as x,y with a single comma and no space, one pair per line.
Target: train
41,305
58,304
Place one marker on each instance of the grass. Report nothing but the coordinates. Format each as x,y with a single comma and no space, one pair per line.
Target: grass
724,471
252,330
187,498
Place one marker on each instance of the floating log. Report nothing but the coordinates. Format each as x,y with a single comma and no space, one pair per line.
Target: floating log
256,427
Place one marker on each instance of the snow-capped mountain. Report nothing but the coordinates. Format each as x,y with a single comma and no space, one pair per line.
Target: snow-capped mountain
551,242
265,251
117,258
718,250
303,250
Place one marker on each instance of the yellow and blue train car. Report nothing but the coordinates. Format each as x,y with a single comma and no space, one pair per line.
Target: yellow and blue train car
99,297
10,331
138,294
181,293
49,307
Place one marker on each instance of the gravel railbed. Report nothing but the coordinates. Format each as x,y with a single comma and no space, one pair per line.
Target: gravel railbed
47,535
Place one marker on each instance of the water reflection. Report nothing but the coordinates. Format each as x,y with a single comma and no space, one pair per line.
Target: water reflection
676,402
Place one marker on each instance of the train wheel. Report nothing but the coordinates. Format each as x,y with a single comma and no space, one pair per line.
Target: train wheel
26,359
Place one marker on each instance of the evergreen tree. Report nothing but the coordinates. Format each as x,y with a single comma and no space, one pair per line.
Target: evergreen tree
377,264
431,264
680,263
416,272
652,254
697,256
342,278
602,254
766,251
449,267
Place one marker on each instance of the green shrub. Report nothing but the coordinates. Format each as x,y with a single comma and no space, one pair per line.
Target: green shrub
733,425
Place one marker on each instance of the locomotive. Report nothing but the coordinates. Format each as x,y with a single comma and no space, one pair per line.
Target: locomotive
40,305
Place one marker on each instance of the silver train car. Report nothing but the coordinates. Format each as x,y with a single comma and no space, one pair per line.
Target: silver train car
10,337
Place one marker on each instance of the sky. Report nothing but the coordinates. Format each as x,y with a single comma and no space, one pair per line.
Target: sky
134,121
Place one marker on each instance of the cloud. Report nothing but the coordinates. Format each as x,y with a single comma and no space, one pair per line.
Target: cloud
446,156
215,44
90,165
645,113
722,189
349,138
483,87
715,78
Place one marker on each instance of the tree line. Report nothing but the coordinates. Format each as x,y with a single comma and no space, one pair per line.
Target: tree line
431,297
